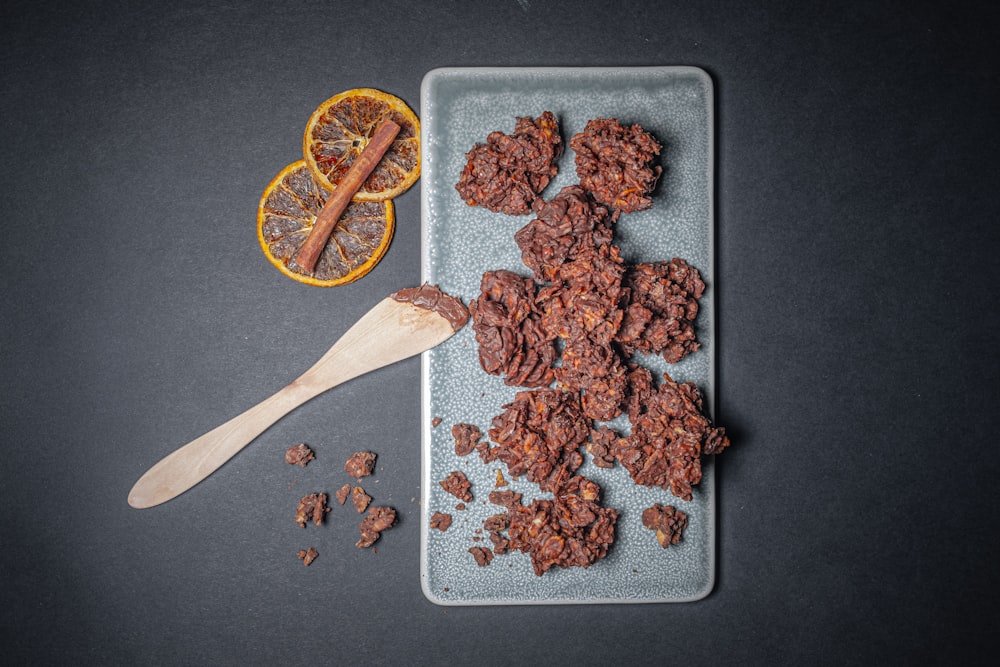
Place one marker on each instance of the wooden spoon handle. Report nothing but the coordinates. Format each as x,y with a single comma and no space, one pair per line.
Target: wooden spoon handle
198,459
391,331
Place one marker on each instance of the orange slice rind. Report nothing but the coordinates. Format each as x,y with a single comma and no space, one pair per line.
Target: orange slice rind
286,214
339,129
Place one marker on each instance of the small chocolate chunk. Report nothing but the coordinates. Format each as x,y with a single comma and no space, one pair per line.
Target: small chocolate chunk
505,498
343,493
668,522
307,556
371,527
483,555
299,455
601,446
441,521
360,464
360,499
458,485
497,522
312,506
501,544
466,438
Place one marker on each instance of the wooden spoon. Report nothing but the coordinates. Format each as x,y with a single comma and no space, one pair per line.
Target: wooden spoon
395,329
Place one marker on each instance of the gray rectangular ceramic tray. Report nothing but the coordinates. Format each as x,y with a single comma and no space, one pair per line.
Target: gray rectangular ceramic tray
459,108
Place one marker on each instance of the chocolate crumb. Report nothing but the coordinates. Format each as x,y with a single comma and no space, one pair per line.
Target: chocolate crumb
360,464
497,522
501,544
458,485
343,493
505,498
312,507
299,455
371,527
483,555
307,556
441,521
360,499
466,437
668,522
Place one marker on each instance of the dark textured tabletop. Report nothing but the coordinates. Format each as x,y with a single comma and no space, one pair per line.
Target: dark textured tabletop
856,209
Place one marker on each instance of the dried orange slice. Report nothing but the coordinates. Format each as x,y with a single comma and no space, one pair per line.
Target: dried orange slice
340,128
287,212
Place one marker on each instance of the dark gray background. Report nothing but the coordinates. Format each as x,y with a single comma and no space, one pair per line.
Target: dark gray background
857,207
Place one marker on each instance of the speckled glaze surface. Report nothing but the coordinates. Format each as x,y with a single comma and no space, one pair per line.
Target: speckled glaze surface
459,107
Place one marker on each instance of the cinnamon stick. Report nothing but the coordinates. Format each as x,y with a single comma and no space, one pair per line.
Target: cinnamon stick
363,165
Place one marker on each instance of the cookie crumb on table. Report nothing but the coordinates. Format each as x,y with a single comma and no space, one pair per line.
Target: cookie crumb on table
360,464
312,506
307,556
377,520
360,499
299,455
343,493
